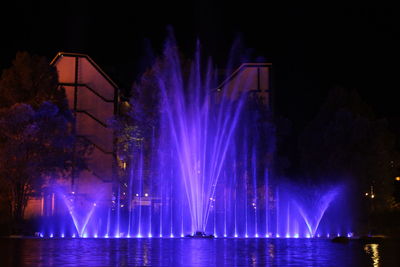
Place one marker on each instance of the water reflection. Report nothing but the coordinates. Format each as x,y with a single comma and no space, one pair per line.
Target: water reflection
372,250
194,252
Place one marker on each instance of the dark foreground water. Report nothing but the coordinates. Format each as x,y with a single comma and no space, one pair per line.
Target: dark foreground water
196,252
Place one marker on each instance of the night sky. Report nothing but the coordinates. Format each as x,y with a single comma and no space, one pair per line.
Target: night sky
312,48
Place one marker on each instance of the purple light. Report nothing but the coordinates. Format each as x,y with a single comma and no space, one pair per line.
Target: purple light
206,174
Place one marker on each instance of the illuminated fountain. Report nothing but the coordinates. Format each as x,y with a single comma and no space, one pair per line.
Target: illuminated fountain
203,171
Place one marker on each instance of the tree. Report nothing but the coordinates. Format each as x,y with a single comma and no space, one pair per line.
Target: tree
35,145
347,143
30,80
37,139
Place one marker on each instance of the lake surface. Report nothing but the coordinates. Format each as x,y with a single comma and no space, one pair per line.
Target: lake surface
196,252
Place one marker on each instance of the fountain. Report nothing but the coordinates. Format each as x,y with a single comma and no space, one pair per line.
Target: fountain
203,170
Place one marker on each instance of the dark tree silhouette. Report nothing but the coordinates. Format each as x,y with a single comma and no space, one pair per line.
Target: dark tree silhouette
347,143
37,140
30,80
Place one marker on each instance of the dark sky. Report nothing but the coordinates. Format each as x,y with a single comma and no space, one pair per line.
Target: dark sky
313,48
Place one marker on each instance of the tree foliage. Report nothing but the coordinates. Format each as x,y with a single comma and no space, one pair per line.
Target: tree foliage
347,140
35,144
30,80
37,140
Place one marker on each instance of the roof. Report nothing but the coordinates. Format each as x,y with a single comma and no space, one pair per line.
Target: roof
240,69
65,54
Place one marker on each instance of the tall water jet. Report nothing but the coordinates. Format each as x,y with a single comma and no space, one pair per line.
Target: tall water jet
200,123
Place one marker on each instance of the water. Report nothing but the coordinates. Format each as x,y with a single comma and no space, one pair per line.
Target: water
189,252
